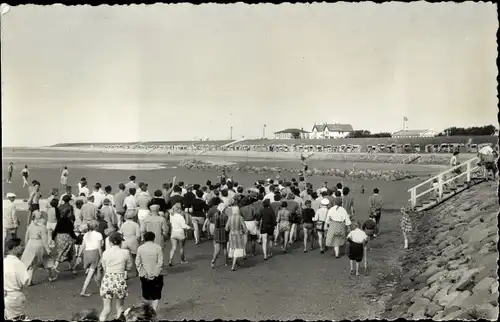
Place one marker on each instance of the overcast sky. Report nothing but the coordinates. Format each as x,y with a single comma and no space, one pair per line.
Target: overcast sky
176,72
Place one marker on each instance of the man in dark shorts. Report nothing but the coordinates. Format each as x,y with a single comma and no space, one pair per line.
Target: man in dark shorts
34,199
149,263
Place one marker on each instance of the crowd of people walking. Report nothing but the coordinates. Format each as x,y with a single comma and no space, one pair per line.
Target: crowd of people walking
115,237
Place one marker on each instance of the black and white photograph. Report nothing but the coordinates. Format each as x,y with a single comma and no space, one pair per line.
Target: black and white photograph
310,161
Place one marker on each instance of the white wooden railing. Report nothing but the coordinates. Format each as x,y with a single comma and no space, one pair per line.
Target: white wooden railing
470,165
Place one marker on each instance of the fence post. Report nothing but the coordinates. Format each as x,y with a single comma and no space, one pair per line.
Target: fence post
440,183
468,171
413,194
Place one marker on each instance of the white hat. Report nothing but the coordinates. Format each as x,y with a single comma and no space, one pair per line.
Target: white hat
325,202
11,195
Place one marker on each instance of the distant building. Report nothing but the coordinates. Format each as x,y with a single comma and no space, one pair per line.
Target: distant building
291,134
415,134
331,131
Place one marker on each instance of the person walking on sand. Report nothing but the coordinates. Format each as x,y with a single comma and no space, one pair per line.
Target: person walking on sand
15,279
91,250
131,233
307,224
375,202
320,222
25,174
64,176
10,220
119,201
357,245
156,224
219,218
35,196
115,262
338,222
36,253
149,262
178,235
406,225
237,230
10,171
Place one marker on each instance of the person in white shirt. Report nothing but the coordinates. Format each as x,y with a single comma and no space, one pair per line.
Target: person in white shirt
184,191
178,235
91,250
338,221
131,184
320,222
130,203
83,189
25,174
357,247
98,195
270,195
10,220
15,278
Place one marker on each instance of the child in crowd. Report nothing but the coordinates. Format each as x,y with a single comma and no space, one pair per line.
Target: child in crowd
357,247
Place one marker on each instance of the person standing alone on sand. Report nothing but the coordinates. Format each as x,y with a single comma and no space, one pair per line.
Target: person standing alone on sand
10,171
10,221
64,176
25,174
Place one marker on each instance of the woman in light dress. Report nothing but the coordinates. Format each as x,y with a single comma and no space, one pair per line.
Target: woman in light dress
131,233
36,254
91,250
116,261
338,222
237,229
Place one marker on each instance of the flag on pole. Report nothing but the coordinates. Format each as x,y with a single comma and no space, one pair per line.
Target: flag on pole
405,119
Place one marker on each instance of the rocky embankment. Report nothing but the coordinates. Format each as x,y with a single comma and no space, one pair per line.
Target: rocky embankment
387,175
450,272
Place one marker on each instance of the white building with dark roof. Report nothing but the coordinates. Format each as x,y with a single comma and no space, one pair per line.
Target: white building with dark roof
414,134
331,131
291,134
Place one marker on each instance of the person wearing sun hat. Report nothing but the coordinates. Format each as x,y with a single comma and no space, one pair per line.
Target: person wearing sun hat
320,220
10,220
